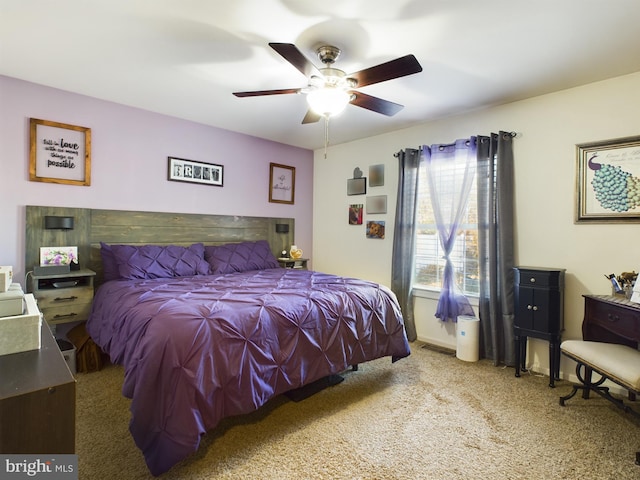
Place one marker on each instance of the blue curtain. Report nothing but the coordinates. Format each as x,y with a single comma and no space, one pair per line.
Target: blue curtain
451,171
404,236
495,240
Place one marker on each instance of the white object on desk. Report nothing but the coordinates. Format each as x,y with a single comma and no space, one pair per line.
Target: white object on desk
11,301
6,276
21,333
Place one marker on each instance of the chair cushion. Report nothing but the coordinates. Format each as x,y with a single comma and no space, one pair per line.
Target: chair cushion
611,359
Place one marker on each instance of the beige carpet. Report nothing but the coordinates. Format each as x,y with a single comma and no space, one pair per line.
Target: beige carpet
429,416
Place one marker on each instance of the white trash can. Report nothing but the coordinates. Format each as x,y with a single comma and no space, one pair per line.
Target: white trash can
468,338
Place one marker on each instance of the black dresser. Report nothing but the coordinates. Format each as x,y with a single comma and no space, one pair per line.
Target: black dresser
37,401
539,313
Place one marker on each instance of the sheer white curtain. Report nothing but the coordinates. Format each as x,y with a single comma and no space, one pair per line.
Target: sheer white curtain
451,170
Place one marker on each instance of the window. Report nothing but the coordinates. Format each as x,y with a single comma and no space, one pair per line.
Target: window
429,261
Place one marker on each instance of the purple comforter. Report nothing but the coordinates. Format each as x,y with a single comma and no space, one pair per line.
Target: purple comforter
199,349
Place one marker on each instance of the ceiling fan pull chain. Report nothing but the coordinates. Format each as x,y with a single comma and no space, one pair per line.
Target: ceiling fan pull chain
326,134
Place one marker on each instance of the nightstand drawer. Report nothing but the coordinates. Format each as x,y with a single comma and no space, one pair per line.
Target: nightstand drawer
60,297
73,312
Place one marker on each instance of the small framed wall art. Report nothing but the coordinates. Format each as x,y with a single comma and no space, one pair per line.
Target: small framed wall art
377,204
282,183
355,214
376,175
182,170
59,153
375,229
357,186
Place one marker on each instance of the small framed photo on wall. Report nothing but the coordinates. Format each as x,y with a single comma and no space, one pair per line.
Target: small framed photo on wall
355,214
377,204
376,175
357,186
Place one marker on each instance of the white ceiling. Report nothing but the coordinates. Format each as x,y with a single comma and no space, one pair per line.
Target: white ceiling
185,57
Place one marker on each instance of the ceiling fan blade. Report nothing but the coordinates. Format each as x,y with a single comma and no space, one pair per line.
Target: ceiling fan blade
259,93
311,117
295,57
375,104
400,67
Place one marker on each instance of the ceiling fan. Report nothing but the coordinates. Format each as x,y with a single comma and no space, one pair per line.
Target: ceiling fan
329,89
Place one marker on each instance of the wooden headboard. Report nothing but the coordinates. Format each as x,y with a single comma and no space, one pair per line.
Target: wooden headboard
93,226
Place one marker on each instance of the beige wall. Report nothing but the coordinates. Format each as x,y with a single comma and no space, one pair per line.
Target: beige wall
549,127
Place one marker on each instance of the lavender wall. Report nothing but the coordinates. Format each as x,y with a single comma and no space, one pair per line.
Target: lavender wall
129,165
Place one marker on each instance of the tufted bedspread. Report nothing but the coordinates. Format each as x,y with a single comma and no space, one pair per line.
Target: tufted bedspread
199,349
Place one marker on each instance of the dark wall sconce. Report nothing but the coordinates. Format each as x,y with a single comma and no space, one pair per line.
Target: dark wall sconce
282,228
59,223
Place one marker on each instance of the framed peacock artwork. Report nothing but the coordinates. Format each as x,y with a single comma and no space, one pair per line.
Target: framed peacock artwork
608,181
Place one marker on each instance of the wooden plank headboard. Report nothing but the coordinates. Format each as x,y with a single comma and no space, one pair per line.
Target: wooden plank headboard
92,226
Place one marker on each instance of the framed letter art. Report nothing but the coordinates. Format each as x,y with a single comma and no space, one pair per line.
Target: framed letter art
282,183
191,171
59,153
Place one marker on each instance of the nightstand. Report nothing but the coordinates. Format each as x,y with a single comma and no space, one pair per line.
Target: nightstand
64,298
300,263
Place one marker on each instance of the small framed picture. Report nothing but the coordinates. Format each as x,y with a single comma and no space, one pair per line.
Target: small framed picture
182,170
58,256
375,229
377,204
376,175
357,186
355,214
282,183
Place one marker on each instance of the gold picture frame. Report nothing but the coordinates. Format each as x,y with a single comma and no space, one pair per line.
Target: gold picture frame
608,181
282,183
59,153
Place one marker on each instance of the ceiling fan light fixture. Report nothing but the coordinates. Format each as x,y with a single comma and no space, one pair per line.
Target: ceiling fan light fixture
328,101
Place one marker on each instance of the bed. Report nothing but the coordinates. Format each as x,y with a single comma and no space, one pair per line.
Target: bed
208,332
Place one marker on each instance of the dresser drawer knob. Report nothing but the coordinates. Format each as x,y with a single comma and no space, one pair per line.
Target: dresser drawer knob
532,280
612,318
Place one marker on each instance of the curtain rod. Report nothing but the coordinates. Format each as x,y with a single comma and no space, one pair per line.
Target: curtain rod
512,134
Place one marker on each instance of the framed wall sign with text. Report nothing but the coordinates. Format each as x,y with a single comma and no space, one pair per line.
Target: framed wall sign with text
282,183
59,153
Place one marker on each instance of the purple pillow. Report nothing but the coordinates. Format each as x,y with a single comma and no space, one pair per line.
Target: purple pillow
109,264
154,261
240,257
